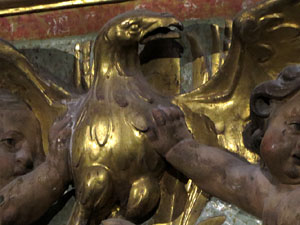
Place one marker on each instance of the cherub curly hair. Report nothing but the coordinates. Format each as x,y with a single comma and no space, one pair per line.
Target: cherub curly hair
262,103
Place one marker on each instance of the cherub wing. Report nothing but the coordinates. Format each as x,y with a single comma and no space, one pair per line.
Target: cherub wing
19,77
265,39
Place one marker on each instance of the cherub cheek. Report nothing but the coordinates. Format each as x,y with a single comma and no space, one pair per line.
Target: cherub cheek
269,145
6,166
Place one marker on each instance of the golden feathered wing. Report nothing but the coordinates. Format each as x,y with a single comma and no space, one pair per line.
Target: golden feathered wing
265,39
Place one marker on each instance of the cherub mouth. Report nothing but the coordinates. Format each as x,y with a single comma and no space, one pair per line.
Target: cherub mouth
296,158
170,32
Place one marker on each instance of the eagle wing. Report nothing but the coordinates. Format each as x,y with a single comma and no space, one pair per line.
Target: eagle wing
265,39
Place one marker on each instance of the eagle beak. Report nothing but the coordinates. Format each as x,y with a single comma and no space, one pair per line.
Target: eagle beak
162,28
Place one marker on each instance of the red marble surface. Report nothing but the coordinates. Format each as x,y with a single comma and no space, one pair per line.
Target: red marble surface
84,20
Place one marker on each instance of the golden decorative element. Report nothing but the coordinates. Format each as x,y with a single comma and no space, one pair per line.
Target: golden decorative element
84,68
265,40
18,76
195,204
25,6
113,166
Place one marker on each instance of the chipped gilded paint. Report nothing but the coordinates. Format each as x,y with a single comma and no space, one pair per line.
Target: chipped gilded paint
83,20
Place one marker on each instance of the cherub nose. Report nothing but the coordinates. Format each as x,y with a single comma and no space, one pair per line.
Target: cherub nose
24,161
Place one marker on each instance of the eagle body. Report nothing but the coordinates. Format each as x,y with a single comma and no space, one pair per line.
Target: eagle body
110,134
116,171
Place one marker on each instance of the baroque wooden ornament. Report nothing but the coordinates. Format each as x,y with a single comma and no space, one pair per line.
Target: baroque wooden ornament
116,142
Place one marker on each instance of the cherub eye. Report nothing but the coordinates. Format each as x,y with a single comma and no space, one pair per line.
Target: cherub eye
295,126
10,142
11,139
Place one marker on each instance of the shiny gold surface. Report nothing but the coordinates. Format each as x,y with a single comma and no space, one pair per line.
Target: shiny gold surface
84,69
115,170
18,76
24,6
265,40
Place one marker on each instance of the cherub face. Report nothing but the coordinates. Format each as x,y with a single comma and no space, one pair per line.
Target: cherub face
280,147
20,142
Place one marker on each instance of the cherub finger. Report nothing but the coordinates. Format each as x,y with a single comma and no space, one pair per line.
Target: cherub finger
159,117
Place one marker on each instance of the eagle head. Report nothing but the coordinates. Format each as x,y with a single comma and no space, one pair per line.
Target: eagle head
141,26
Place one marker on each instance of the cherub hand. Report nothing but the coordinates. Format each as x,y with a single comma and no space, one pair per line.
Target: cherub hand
59,139
170,129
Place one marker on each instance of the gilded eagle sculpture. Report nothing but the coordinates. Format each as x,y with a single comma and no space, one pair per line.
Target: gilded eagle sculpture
111,160
114,169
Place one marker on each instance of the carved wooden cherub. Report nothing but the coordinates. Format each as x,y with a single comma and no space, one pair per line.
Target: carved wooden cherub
269,191
21,148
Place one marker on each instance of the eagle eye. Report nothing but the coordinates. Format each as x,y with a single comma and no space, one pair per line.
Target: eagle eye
134,27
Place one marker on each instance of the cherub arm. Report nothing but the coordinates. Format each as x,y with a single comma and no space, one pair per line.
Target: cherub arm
214,170
27,198
221,174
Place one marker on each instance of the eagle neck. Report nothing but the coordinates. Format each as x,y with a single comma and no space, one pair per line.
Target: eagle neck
115,59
